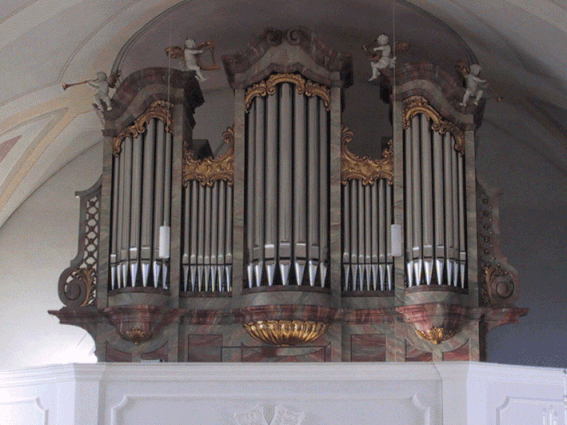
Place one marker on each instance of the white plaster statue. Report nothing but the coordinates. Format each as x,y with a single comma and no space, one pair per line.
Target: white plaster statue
474,84
383,60
190,53
102,85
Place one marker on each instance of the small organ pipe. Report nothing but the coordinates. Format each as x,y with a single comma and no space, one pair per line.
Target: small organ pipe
201,232
448,150
462,220
455,208
324,184
408,198
353,222
167,180
299,185
194,221
158,194
383,225
259,170
313,177
228,243
376,208
438,191
271,173
368,225
416,186
427,185
346,223
136,191
148,190
222,222
361,228
114,227
285,167
250,225
388,231
214,222
208,227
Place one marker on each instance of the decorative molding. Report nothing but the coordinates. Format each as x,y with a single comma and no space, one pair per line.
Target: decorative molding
159,109
24,408
87,278
77,283
286,332
414,105
435,335
498,279
303,86
282,416
209,170
366,169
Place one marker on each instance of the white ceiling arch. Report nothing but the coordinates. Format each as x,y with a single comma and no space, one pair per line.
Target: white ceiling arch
45,42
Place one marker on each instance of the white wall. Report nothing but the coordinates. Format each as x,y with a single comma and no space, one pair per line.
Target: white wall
457,393
36,245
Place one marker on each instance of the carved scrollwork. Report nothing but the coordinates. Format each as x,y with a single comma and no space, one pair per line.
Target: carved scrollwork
80,289
159,109
498,279
77,283
209,170
435,335
368,170
414,105
302,86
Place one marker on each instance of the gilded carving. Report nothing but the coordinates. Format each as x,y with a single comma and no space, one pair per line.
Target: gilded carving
435,335
209,170
159,109
286,332
302,86
368,170
414,105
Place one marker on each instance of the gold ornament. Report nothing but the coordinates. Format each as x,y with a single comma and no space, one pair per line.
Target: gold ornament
209,170
368,170
435,335
268,87
159,109
286,332
414,105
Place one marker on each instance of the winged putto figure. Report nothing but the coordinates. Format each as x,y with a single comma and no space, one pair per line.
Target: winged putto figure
192,53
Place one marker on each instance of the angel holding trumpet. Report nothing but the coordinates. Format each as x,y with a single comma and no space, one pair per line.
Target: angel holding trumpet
102,83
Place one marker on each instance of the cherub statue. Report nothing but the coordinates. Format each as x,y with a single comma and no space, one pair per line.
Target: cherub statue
102,85
474,85
381,58
191,53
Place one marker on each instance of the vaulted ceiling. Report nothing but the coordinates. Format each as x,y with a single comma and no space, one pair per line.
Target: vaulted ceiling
519,43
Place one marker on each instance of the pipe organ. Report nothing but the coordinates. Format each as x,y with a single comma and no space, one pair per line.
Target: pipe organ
287,247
